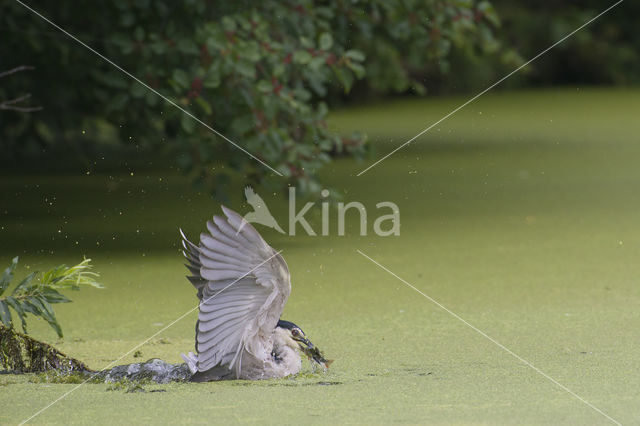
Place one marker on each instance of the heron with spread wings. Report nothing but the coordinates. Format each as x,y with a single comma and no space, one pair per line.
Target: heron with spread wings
243,285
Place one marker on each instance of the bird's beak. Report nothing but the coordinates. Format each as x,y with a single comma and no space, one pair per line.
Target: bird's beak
305,344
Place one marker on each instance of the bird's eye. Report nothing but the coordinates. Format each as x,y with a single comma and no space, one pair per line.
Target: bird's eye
294,332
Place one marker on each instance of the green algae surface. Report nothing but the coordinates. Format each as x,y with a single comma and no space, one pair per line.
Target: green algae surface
519,217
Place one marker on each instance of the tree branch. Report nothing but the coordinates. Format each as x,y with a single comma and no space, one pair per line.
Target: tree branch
10,104
16,69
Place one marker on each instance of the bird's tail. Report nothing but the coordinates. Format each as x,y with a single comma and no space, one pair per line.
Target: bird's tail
192,361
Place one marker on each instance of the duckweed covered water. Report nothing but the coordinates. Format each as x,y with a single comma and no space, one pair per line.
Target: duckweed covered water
519,214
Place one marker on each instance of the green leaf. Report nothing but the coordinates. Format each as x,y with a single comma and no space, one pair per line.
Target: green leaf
181,77
326,41
243,123
15,304
302,57
318,87
228,24
56,326
33,305
47,308
187,46
159,47
187,123
52,296
264,86
278,70
29,308
71,277
249,50
5,315
302,94
306,42
23,284
355,55
357,69
7,275
489,12
345,78
53,275
211,81
48,314
317,63
45,132
204,105
246,68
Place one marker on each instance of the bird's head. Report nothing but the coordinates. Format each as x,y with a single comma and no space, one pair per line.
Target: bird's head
297,339
295,334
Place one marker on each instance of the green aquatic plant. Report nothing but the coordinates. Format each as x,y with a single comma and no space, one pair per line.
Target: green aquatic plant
36,293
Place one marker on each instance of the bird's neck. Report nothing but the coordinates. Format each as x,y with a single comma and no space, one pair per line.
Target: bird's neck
285,356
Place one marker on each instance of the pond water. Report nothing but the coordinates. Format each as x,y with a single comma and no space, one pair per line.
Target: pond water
519,215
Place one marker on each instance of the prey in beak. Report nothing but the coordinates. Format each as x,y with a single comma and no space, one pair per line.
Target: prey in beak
309,349
312,352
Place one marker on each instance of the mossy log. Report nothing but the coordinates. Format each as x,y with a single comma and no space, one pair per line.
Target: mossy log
20,353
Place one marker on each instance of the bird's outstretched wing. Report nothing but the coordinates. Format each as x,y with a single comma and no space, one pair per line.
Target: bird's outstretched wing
242,283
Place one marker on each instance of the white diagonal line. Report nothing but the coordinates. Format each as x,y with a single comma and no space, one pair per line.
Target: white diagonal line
166,99
491,87
145,341
494,341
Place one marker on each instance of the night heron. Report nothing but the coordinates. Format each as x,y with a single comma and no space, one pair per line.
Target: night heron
242,284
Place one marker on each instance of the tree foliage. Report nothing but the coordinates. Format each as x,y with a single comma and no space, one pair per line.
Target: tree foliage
605,52
261,73
37,292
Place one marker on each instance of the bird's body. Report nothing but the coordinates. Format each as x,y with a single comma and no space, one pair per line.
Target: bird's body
243,285
281,361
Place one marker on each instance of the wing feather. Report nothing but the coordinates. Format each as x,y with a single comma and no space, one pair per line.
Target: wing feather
214,246
242,283
213,339
249,232
217,323
213,230
228,231
208,256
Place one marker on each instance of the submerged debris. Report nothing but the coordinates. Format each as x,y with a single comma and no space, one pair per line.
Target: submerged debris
153,370
122,377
